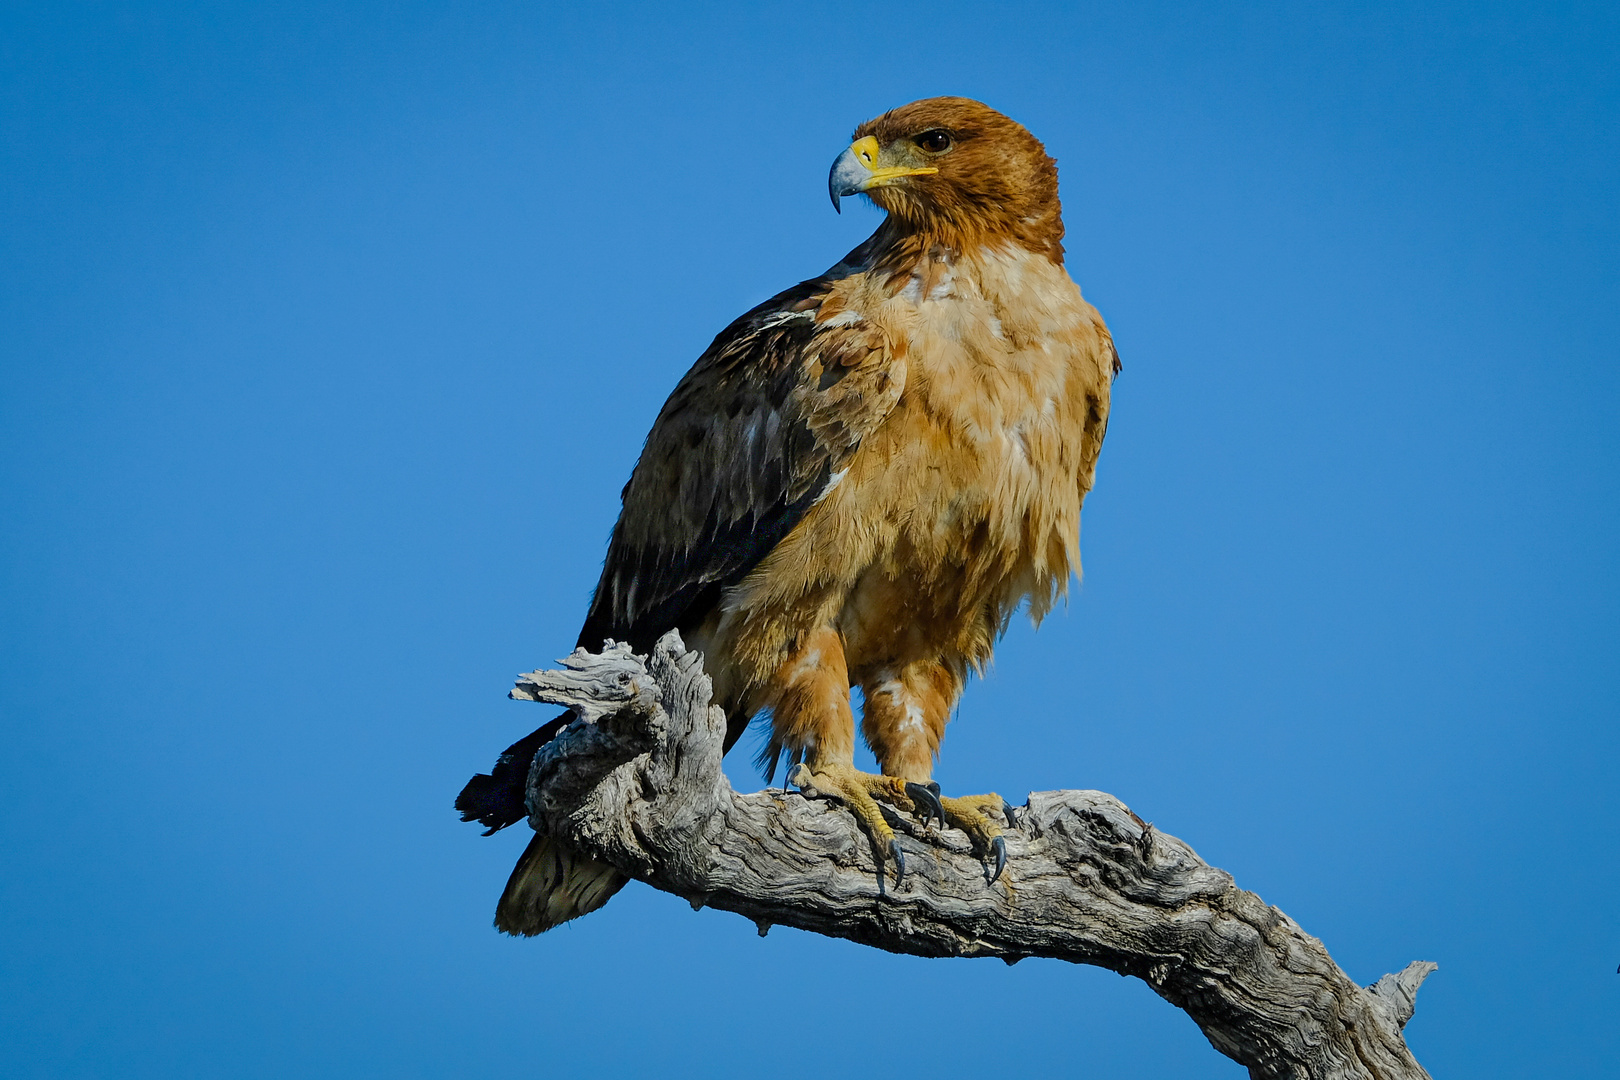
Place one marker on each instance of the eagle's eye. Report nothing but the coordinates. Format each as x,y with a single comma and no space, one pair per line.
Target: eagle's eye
935,141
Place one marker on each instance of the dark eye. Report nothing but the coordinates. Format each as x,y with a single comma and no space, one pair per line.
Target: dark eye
935,142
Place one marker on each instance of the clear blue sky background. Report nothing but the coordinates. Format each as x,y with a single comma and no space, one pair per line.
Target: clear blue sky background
330,333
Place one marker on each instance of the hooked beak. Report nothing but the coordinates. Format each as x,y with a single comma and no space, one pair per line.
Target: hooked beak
857,170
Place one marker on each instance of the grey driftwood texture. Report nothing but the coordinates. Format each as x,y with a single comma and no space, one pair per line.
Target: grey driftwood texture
636,782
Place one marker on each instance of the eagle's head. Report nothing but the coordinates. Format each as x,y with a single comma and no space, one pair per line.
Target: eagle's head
957,171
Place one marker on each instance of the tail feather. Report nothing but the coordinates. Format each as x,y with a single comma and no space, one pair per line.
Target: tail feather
498,798
551,884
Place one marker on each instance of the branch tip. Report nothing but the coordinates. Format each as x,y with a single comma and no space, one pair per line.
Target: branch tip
1398,990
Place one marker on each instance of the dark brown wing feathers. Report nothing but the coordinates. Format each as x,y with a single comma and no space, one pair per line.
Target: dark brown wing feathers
749,440
746,444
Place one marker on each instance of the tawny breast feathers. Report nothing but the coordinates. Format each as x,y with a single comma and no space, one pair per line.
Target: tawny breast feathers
964,500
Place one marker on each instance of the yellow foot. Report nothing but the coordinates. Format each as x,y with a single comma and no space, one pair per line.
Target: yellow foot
980,816
860,791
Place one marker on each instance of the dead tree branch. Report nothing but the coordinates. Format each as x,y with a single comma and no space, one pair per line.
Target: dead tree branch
636,782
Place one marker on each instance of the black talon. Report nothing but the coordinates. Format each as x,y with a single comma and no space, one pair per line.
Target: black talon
899,863
1006,808
999,845
928,795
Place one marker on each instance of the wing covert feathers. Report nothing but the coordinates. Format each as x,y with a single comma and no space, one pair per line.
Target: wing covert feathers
755,433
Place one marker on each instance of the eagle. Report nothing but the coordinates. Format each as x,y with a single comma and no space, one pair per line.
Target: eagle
857,485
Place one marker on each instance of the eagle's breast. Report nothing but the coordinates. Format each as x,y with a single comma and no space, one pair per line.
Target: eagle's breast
965,499
980,470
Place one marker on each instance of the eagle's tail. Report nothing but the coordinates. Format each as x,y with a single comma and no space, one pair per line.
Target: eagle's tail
498,798
551,884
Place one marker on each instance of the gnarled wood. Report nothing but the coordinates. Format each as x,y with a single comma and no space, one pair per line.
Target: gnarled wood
637,783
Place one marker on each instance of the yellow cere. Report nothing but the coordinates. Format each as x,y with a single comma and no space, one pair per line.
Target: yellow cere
866,151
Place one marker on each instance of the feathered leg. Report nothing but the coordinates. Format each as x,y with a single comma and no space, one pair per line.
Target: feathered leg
811,720
907,707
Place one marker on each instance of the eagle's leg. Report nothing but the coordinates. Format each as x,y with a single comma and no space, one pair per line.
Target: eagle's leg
906,709
861,792
812,721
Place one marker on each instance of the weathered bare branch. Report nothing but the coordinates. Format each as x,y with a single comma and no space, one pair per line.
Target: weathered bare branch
637,783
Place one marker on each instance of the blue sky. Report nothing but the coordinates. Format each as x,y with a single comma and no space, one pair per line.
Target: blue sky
328,334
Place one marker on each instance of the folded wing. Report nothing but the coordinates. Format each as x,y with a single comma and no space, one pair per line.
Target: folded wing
752,437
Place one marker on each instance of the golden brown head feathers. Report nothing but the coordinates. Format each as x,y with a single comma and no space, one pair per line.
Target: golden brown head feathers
995,181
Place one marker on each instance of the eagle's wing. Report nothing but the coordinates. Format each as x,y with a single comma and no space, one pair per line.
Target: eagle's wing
751,438
754,434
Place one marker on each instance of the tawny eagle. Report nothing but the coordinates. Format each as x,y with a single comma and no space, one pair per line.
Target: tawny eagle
856,485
